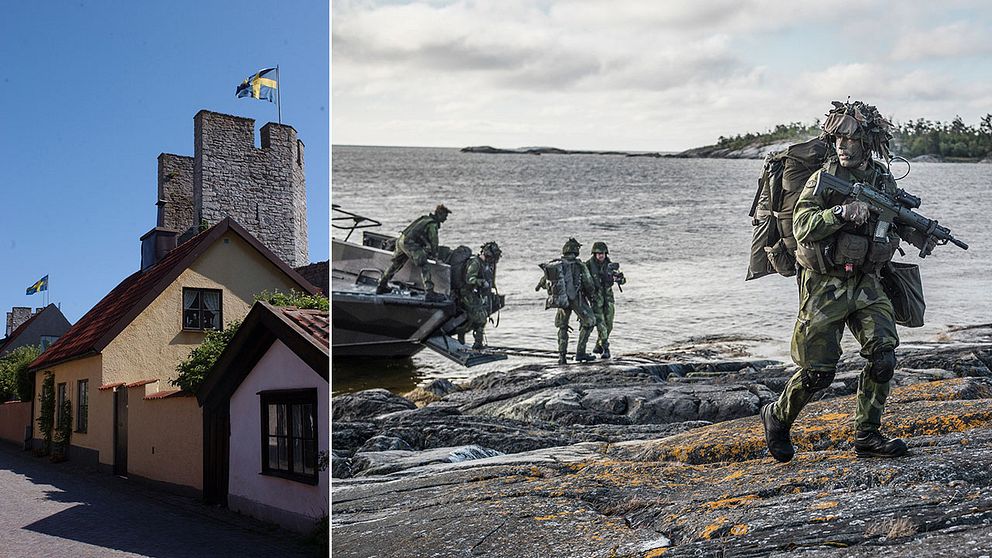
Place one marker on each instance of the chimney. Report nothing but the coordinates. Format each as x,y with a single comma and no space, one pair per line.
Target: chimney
155,244
17,316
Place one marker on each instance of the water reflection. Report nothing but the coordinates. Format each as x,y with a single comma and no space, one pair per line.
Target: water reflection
398,375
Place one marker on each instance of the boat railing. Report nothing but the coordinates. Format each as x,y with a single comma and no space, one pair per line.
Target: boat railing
354,221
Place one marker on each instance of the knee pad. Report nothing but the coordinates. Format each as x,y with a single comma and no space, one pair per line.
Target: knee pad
815,380
882,365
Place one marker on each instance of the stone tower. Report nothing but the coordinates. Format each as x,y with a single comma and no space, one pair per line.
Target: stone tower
263,189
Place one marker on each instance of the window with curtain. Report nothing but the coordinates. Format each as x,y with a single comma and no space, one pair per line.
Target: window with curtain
289,434
202,309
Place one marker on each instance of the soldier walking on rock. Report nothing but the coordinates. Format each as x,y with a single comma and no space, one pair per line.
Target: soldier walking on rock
839,285
571,288
417,243
475,296
604,275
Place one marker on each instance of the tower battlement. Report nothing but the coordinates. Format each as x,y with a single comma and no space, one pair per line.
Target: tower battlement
262,188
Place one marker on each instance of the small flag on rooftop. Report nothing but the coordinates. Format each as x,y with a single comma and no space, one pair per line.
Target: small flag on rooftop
262,85
40,285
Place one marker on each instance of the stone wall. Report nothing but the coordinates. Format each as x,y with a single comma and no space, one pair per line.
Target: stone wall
263,189
175,192
17,316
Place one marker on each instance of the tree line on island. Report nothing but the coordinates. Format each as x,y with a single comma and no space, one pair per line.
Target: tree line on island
952,140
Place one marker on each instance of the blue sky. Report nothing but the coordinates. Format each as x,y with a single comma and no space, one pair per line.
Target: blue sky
93,92
644,74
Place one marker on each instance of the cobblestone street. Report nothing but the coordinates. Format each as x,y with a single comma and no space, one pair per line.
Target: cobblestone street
51,511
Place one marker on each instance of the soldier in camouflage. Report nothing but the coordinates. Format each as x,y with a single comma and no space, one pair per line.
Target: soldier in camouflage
475,297
839,285
581,290
417,243
604,307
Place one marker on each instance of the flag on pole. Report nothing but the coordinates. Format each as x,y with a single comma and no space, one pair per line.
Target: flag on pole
262,85
41,285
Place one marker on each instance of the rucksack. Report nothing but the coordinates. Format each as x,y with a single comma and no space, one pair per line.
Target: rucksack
773,245
557,278
458,261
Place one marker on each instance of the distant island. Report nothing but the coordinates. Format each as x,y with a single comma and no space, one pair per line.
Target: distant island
916,140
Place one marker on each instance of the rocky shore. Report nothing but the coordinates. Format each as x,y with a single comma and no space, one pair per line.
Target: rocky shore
663,454
553,151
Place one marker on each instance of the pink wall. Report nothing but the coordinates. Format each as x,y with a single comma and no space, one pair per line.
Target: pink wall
14,418
279,368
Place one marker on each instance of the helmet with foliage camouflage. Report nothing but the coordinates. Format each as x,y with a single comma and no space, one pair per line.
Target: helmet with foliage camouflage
491,250
859,121
441,212
571,247
600,248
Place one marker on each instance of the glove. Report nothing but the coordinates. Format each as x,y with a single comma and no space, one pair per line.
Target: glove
853,211
537,287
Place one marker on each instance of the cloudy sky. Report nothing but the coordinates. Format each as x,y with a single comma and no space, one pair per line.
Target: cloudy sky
643,74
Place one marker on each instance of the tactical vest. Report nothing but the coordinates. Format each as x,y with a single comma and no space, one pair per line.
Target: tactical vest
601,277
416,231
486,272
852,249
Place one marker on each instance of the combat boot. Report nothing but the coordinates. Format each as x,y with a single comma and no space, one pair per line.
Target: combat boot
598,348
776,436
584,357
871,443
606,351
383,288
562,359
461,338
477,346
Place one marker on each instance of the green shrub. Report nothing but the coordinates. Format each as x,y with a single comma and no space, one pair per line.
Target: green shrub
15,381
194,369
46,411
294,298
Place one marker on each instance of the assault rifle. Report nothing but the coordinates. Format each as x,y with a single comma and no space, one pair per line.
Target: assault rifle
890,208
613,268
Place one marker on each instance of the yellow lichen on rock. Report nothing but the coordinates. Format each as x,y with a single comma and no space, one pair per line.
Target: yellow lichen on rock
732,502
739,529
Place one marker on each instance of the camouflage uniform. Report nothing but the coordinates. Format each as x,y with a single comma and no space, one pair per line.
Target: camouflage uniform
582,291
829,301
416,243
474,297
604,306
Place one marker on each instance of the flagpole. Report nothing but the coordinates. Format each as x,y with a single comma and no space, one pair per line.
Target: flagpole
279,93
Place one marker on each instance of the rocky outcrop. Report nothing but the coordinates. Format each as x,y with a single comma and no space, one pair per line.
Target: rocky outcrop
563,460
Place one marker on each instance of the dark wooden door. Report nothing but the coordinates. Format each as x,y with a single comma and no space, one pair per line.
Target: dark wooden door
216,453
120,431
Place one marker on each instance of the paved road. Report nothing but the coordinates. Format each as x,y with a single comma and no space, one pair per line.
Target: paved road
54,511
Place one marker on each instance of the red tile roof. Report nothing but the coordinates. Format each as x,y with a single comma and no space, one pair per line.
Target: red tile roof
314,323
95,330
142,382
105,387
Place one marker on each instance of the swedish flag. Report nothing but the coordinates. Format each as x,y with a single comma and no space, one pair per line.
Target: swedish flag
262,85
41,285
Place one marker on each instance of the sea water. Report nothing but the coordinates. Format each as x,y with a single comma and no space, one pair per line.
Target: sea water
678,227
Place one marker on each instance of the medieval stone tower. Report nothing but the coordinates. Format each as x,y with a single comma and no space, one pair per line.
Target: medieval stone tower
263,189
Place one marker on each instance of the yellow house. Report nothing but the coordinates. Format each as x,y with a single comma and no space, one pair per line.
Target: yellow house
115,364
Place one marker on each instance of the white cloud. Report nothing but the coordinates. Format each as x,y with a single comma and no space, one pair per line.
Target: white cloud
629,74
958,39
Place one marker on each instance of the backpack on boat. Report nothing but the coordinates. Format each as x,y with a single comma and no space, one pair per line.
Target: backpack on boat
773,245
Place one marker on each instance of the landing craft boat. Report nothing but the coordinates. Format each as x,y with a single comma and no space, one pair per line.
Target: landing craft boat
397,324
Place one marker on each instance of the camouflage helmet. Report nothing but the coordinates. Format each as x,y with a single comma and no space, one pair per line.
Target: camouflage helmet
491,250
571,247
441,212
859,121
600,248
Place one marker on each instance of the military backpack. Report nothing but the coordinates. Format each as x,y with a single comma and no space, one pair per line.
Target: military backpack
458,261
773,245
557,277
